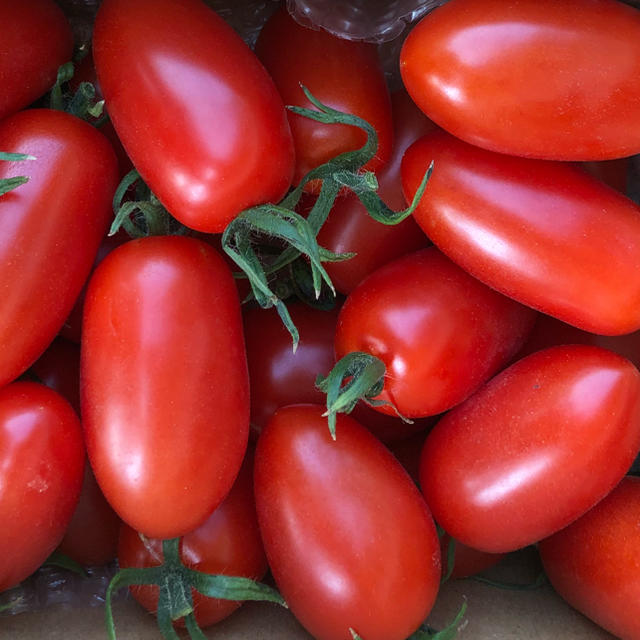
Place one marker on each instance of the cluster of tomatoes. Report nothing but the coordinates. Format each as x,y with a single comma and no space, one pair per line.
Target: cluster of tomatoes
490,340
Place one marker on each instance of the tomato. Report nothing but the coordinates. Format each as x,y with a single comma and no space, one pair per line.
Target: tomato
164,395
227,543
45,259
196,112
41,461
544,233
466,561
533,449
464,64
594,564
36,40
349,228
440,332
349,540
342,74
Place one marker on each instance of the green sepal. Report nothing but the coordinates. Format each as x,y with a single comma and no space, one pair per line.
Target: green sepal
56,97
451,560
448,633
9,184
58,559
540,580
15,157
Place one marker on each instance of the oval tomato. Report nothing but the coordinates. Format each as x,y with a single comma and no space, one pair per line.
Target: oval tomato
45,259
349,540
165,398
195,110
41,461
544,233
440,332
594,563
464,64
551,436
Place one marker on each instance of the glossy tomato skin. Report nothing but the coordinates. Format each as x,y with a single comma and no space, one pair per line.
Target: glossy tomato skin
164,385
349,540
544,233
440,332
227,543
36,40
45,259
467,58
594,562
41,462
552,435
343,74
195,110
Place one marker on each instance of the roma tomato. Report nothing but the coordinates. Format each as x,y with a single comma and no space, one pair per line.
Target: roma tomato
343,74
164,385
594,563
534,448
349,540
544,233
440,332
36,40
195,110
41,461
45,259
468,58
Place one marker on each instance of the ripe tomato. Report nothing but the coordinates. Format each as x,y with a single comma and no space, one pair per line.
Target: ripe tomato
196,112
440,332
342,74
45,259
464,64
534,448
165,398
41,461
36,40
544,233
349,540
594,563
467,561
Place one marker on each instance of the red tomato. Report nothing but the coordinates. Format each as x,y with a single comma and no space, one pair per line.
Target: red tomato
350,228
467,561
544,233
228,543
440,332
349,540
195,110
36,40
342,74
534,448
165,398
521,77
45,259
594,564
41,461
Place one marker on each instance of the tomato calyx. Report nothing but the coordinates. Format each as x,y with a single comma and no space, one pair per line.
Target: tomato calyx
175,582
82,103
9,184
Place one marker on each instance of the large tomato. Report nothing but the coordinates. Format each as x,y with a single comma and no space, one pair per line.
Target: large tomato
41,462
50,227
594,563
164,391
534,448
544,233
195,110
349,540
524,77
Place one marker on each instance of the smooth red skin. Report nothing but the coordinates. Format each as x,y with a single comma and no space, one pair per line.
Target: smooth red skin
439,332
36,40
349,228
41,462
195,110
45,259
544,233
228,543
594,564
463,64
164,384
343,74
551,436
349,540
